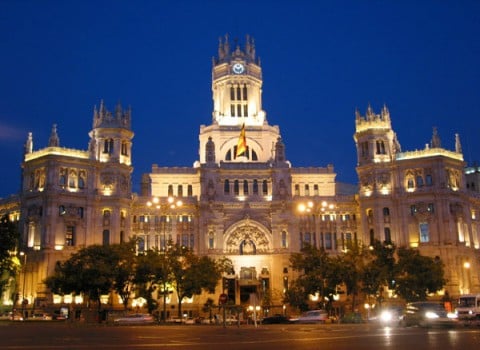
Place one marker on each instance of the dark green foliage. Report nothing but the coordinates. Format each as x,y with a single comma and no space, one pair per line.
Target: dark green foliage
90,271
9,237
417,275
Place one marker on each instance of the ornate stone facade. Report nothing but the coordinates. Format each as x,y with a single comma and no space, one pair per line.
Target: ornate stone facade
254,208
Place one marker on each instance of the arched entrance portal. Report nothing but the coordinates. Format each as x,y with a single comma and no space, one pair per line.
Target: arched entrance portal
247,239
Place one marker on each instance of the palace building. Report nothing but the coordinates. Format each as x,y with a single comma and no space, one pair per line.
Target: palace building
242,198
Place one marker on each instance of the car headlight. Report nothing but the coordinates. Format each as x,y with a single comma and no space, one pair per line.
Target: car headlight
431,314
386,316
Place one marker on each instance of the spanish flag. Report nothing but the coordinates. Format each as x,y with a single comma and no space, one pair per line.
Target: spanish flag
242,142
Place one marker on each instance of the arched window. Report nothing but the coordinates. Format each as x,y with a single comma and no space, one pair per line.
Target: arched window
380,147
386,214
180,191
410,183
255,186
307,190
81,180
170,190
265,187
108,146
72,179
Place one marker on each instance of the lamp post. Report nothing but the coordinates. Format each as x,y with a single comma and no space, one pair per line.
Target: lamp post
164,210
24,300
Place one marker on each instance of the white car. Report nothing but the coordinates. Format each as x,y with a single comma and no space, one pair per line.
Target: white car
313,316
135,319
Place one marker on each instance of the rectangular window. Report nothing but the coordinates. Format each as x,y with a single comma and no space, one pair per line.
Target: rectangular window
413,210
431,207
328,240
106,237
424,232
70,236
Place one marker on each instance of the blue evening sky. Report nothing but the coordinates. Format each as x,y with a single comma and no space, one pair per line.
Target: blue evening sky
321,60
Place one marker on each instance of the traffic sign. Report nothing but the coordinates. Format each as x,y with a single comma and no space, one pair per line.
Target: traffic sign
222,299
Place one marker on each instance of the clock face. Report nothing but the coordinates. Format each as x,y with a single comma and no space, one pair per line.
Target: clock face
238,68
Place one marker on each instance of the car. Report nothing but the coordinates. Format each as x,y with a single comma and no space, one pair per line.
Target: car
313,316
390,315
276,319
189,320
174,319
427,314
135,319
41,316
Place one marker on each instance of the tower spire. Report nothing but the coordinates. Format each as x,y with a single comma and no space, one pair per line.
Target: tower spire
54,141
458,145
435,142
29,144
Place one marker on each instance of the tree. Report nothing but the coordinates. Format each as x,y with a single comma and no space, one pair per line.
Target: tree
124,270
350,270
379,270
417,275
192,274
9,237
317,274
151,271
88,272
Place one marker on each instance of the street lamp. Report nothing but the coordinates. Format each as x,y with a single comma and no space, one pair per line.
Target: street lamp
24,300
164,210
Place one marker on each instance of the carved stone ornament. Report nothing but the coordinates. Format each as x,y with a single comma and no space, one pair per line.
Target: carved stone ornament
248,238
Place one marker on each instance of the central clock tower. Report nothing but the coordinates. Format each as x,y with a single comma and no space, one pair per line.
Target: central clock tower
237,85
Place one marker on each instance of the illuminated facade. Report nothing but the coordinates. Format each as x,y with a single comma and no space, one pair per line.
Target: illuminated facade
251,206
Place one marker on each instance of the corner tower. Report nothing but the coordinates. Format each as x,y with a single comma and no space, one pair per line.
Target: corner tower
111,146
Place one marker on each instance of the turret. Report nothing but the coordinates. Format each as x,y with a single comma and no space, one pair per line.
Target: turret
376,142
111,136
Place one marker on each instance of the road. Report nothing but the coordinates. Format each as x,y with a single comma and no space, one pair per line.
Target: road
52,335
